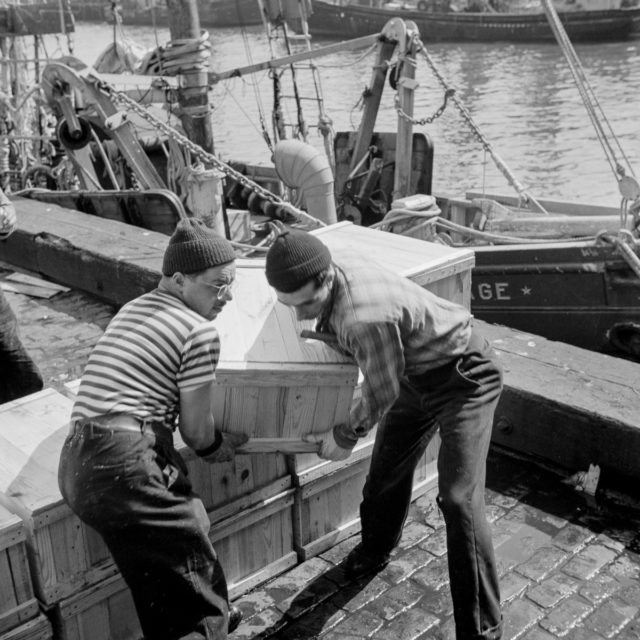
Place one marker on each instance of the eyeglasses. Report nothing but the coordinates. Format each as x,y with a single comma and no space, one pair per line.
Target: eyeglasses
222,290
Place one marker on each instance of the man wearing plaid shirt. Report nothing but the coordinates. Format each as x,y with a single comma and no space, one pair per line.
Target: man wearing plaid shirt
424,368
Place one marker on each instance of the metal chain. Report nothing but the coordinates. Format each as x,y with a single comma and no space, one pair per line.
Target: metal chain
130,104
475,129
449,93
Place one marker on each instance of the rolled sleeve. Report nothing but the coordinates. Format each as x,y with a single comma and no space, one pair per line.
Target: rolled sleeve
378,350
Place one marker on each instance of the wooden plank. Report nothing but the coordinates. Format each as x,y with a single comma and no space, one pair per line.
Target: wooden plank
569,207
39,628
63,554
104,611
557,395
410,257
256,543
284,61
553,226
277,445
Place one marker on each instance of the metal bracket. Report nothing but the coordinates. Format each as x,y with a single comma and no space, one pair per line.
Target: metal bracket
115,120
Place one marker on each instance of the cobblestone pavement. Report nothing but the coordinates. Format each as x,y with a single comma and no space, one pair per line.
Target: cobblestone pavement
569,567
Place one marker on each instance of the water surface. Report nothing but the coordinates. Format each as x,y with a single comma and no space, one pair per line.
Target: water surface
522,96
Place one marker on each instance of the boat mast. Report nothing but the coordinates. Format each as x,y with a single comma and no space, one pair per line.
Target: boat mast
184,24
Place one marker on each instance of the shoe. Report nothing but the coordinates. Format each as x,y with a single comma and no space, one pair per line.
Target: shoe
360,563
235,616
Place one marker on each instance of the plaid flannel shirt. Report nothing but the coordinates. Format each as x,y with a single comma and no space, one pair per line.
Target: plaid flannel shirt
391,327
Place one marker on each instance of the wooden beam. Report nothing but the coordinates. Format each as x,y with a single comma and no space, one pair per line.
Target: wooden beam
348,45
568,207
566,405
109,259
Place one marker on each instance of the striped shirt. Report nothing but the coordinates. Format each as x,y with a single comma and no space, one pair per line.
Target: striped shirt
392,328
152,349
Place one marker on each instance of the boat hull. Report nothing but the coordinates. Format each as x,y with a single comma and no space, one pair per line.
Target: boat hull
352,21
574,293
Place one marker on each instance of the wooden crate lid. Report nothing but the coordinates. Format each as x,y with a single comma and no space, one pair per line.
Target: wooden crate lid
416,259
11,529
258,334
32,432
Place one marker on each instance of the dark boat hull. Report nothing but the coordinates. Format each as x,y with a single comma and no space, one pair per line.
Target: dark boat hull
353,21
573,293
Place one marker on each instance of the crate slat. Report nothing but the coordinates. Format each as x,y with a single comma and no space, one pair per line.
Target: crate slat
38,628
64,554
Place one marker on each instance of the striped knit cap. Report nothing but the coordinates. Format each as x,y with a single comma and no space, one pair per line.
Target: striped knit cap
294,258
193,247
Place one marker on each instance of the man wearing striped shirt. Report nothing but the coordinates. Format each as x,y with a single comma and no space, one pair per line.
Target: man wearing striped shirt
424,368
153,370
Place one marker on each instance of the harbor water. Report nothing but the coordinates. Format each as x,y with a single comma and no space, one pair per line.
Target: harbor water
522,97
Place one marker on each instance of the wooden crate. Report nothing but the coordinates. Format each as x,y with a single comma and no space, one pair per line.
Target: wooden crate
271,383
64,554
443,270
446,271
17,599
327,505
254,543
223,483
39,628
253,540
104,611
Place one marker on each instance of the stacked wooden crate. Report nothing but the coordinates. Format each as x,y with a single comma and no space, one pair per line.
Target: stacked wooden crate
19,613
274,384
267,511
66,557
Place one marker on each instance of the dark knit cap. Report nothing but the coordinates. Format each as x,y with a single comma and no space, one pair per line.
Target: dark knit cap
294,258
194,247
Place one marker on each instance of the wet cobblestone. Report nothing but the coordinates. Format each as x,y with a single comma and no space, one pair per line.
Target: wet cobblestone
570,568
568,578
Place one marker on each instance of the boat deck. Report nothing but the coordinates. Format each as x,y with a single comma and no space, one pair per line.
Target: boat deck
569,563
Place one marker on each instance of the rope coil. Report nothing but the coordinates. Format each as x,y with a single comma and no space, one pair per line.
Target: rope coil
181,56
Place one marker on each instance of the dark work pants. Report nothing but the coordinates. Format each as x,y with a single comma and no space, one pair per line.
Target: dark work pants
19,375
133,490
460,400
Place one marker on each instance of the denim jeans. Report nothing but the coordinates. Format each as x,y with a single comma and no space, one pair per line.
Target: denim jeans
19,375
460,400
133,489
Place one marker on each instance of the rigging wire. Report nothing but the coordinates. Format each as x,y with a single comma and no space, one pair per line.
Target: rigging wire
499,162
258,97
591,102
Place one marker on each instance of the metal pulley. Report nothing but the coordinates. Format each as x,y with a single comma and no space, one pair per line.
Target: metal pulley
629,188
76,135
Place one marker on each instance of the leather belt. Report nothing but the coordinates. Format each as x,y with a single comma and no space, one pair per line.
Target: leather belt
121,422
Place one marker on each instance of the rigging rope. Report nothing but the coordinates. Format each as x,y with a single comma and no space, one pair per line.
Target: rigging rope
591,103
450,95
256,93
